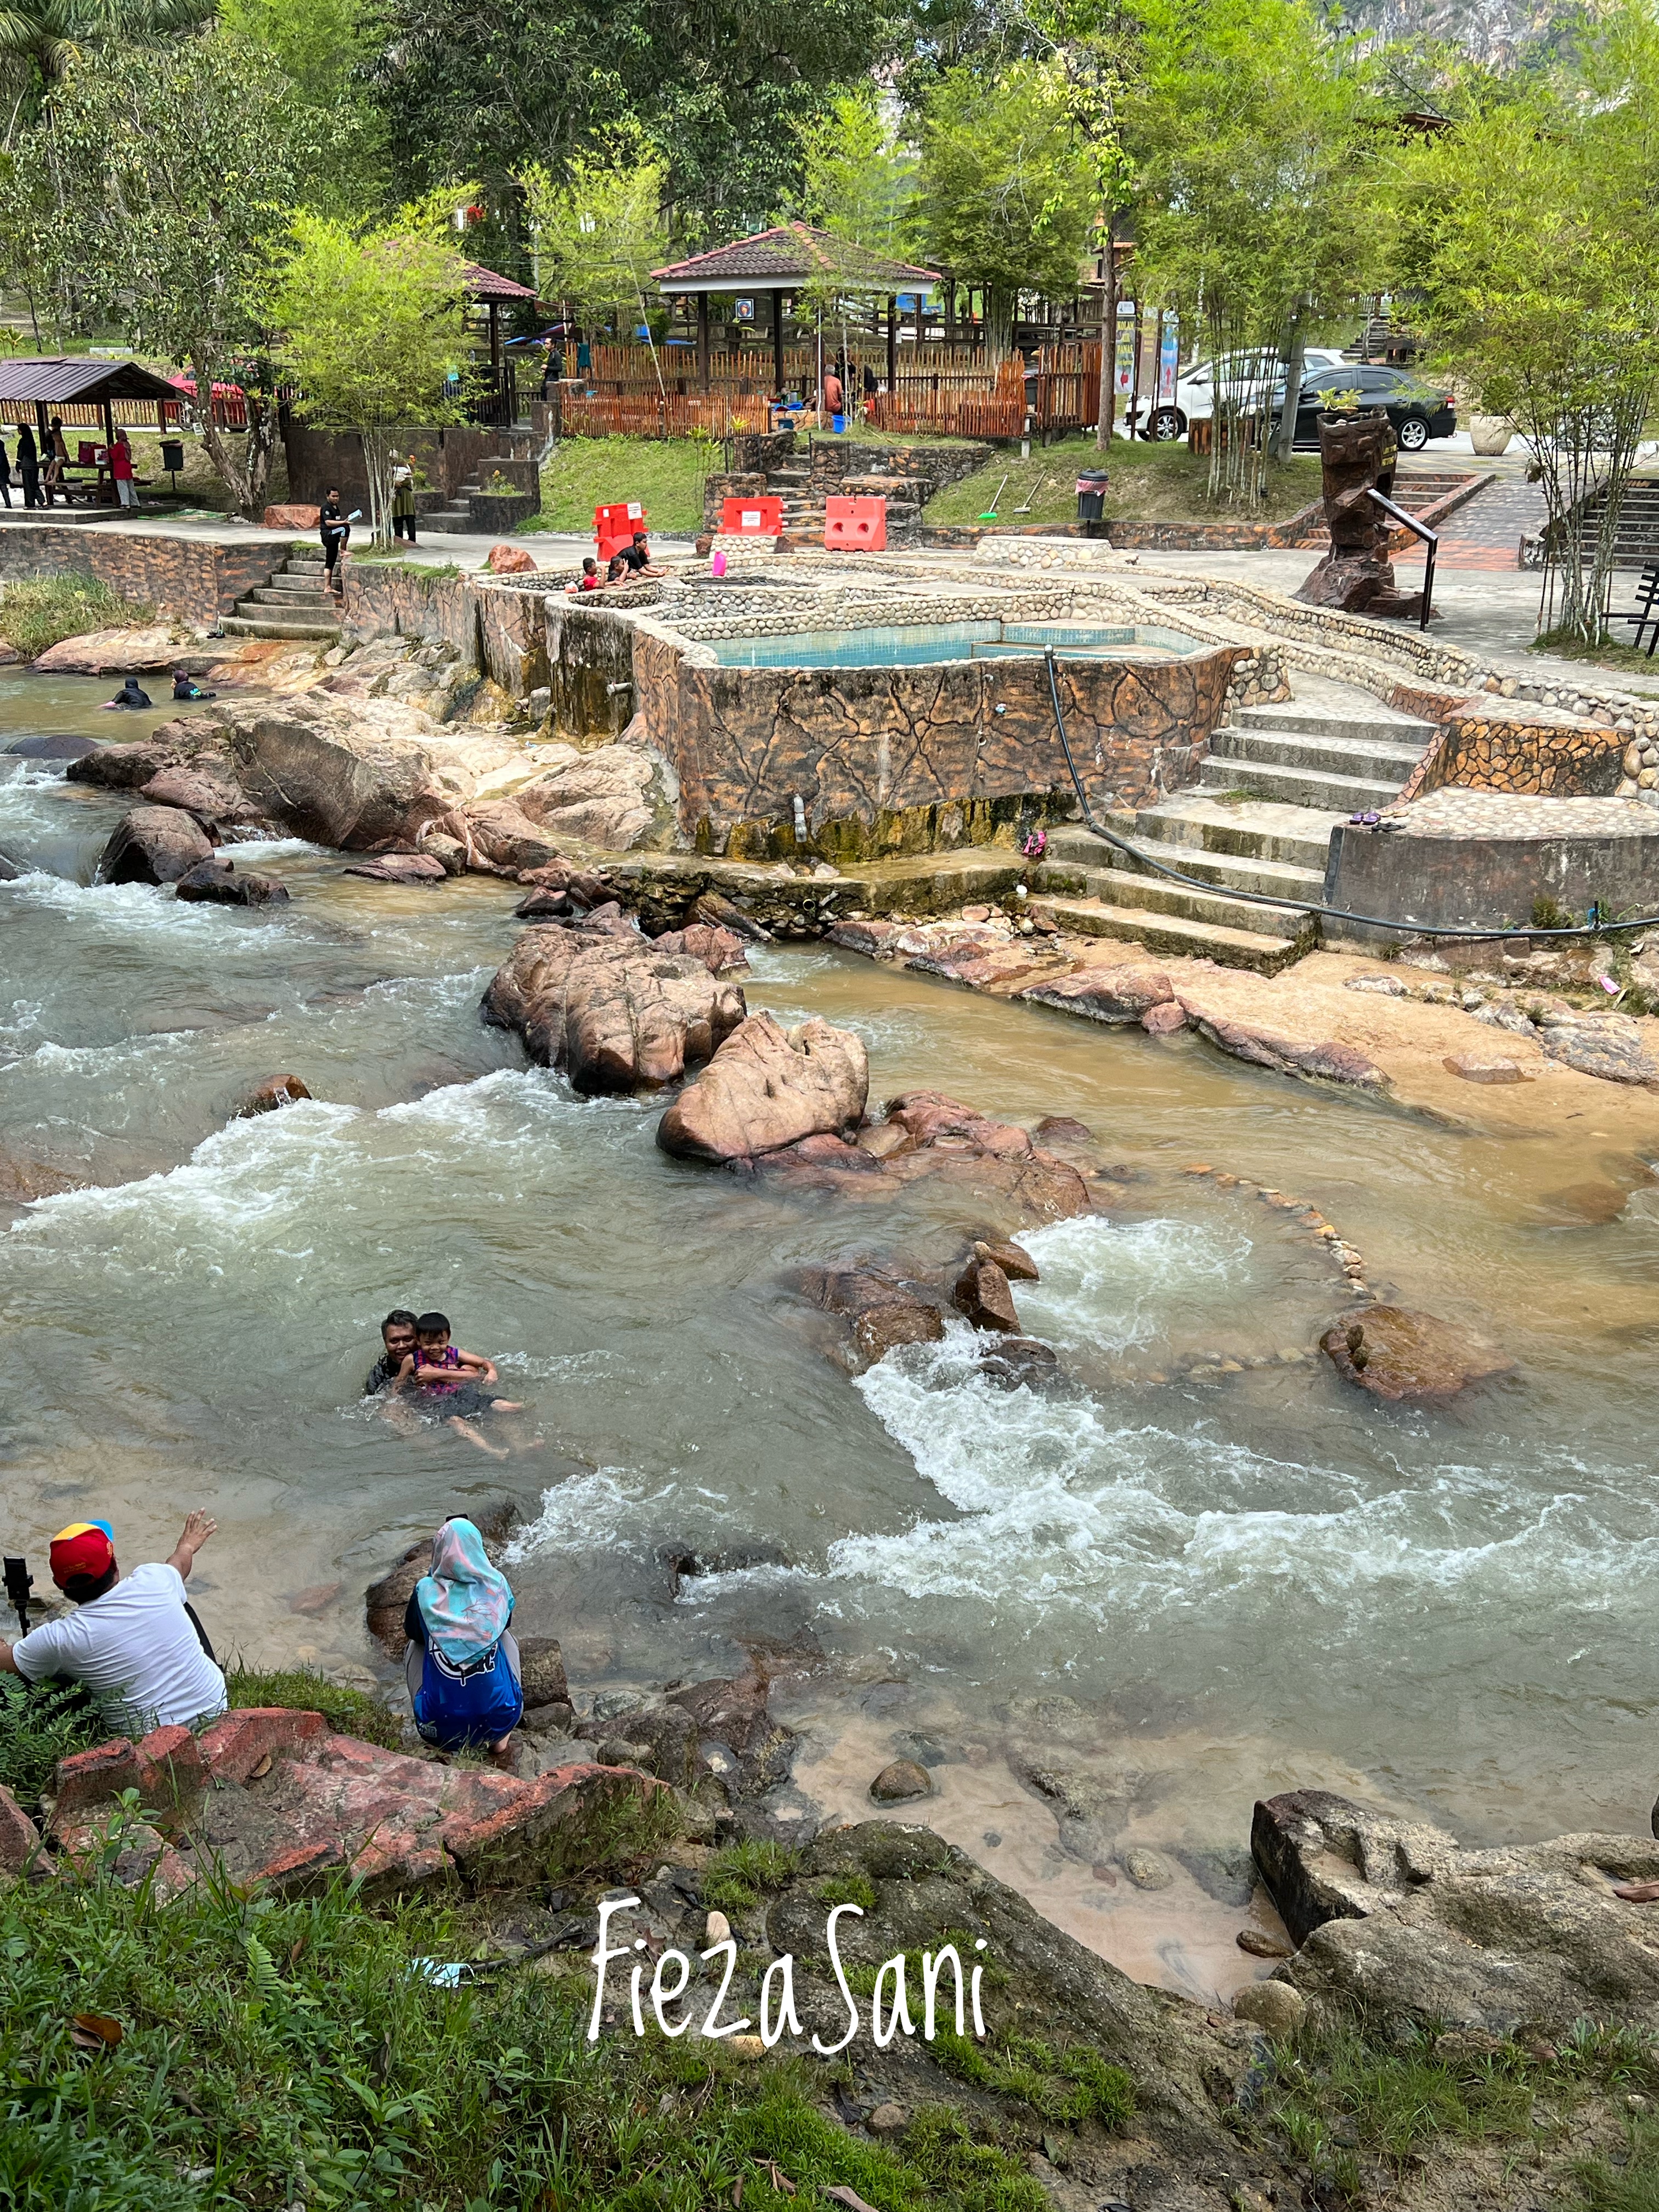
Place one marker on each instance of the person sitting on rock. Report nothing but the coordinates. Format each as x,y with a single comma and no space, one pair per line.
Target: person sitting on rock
462,1667
185,686
442,1372
137,1644
130,694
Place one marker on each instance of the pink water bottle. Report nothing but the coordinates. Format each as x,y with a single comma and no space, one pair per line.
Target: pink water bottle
717,565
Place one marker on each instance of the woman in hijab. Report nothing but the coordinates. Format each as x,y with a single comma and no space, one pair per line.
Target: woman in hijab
28,465
462,1666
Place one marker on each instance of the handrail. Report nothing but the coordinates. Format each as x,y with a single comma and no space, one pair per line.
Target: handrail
1430,537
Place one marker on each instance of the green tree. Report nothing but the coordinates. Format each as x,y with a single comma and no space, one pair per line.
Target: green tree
42,41
858,179
1254,143
174,185
598,231
372,325
325,48
1529,236
1007,197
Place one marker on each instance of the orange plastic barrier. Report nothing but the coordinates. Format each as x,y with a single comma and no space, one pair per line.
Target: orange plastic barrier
751,518
855,526
614,526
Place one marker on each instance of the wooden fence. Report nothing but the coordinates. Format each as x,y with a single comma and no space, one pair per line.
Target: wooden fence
1060,391
641,415
747,371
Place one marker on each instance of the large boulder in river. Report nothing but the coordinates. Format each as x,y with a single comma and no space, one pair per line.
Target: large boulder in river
1399,1355
122,768
604,797
1395,1918
613,1012
767,1087
110,653
335,774
219,882
506,836
204,791
153,845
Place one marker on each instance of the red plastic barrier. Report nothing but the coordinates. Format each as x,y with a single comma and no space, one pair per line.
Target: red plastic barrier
855,526
614,526
751,518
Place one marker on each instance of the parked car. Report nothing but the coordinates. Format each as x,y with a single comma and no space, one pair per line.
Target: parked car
1417,410
1194,392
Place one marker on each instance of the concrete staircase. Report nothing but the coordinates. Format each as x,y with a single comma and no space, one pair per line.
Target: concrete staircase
297,603
1275,784
803,502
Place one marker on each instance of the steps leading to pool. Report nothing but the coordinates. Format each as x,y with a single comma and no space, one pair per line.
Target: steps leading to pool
1272,786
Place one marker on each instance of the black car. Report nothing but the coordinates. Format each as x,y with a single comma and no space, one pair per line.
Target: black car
1416,409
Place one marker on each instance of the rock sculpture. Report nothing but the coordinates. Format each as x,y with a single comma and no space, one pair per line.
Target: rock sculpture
1358,453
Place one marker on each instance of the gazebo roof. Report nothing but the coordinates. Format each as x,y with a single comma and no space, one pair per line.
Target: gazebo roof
790,255
485,284
57,377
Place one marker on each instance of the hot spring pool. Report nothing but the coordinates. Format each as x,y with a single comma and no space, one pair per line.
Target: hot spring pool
917,644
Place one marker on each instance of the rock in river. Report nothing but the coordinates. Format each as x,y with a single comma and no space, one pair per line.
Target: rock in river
276,1090
1396,1354
153,845
767,1087
900,1780
220,882
982,1295
1106,995
612,1012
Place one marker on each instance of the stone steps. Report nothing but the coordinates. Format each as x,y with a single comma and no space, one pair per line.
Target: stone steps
1259,831
1268,877
295,603
1299,787
1336,756
1178,936
281,626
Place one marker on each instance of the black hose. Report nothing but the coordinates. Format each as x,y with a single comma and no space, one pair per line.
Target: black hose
1297,906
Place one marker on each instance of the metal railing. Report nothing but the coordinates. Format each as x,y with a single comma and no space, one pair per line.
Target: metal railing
1431,541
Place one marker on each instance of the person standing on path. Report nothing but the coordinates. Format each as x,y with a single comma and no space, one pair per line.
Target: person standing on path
120,469
28,465
5,472
335,534
403,499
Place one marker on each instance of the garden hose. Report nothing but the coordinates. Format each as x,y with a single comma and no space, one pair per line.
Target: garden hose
1144,861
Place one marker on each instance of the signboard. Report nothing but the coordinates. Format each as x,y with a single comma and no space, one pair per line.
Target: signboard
1123,368
1168,357
745,310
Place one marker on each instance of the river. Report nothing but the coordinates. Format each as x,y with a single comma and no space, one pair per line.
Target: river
1193,1593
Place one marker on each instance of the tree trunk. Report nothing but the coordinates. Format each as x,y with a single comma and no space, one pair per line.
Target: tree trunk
1106,411
1296,354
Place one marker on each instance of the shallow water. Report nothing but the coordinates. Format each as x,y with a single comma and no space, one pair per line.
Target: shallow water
1242,1584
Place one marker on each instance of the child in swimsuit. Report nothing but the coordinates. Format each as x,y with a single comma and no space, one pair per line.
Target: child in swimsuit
442,1370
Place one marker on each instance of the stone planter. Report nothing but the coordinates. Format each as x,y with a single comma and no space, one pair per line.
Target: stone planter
494,514
1489,435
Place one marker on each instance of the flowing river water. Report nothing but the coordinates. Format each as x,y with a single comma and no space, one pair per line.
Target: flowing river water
1183,1594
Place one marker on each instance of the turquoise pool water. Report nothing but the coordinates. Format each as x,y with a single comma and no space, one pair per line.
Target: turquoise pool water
918,644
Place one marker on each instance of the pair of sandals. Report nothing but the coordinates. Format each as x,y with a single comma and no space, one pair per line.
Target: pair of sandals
1372,820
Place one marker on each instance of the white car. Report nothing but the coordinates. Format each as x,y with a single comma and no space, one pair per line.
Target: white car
1194,392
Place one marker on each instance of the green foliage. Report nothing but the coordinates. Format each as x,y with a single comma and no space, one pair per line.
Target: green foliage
847,1889
348,1711
598,232
1254,206
42,610
1632,2185
284,2050
1149,482
169,187
665,474
859,181
40,1724
1550,913
1065,2086
1530,235
52,36
1006,195
371,326
738,1877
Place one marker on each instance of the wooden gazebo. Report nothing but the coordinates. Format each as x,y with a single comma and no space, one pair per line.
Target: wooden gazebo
35,386
782,262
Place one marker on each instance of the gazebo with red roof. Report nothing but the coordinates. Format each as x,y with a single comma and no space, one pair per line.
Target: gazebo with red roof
780,261
495,292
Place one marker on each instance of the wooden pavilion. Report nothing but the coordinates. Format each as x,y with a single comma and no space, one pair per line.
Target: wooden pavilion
780,263
36,387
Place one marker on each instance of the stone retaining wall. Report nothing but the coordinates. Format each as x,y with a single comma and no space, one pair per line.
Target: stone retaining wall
1448,882
867,751
184,578
448,458
499,631
1488,744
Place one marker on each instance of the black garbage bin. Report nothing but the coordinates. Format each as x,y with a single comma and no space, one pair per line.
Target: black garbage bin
1091,497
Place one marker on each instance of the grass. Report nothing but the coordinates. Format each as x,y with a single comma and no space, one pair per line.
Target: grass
1149,483
265,2051
1342,2101
1610,654
44,609
665,474
1064,2086
40,1724
738,1877
348,1711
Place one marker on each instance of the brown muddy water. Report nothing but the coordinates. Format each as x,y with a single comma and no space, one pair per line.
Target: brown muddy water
1182,1594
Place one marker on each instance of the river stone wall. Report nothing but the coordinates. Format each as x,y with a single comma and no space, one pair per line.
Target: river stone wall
496,628
867,751
1486,878
1488,744
181,577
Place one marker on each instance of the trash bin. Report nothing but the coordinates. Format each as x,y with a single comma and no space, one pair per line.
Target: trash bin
1092,495
172,454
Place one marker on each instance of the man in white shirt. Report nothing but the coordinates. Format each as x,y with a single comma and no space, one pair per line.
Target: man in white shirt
133,1643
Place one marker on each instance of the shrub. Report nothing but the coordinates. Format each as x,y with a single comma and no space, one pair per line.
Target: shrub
47,609
348,1711
40,1724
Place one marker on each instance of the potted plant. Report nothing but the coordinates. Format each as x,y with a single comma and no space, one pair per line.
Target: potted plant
1490,425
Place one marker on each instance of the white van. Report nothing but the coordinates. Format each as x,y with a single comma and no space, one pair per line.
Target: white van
1194,392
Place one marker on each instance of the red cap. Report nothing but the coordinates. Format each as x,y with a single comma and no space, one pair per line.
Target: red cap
85,1547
